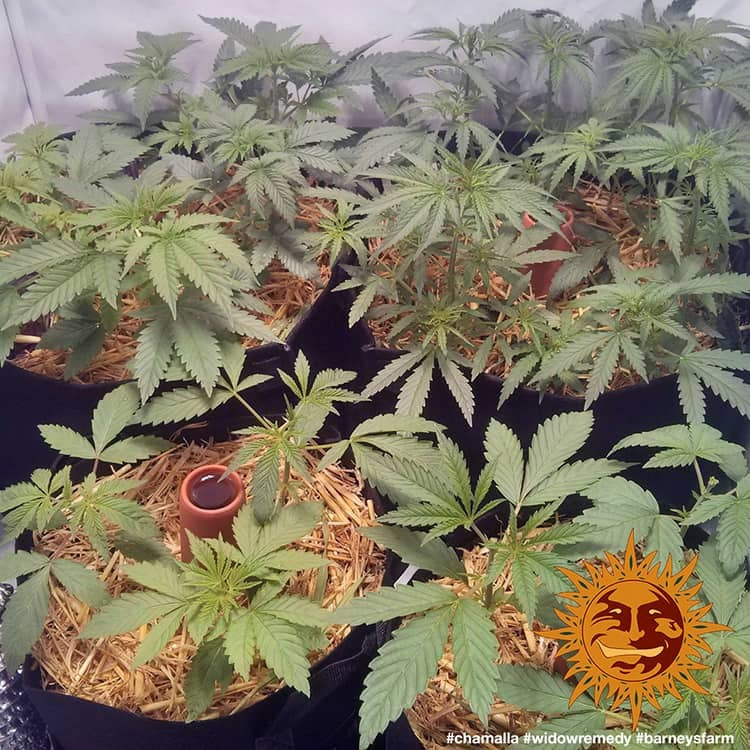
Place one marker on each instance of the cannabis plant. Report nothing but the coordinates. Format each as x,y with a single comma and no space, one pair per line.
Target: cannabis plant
467,91
691,178
120,235
230,597
679,186
649,327
440,498
661,64
99,510
438,225
461,82
529,552
564,55
149,74
232,144
284,78
26,177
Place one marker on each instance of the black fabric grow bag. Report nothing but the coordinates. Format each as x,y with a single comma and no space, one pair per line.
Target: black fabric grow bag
285,720
323,334
28,400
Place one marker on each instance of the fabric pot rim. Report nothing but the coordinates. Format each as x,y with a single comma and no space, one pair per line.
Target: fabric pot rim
617,413
272,348
269,724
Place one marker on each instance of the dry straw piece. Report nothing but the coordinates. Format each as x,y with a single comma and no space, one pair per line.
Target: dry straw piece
99,670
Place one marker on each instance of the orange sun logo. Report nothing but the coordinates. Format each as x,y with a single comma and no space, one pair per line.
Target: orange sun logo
633,630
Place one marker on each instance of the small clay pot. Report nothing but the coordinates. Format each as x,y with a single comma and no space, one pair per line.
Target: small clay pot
542,273
208,506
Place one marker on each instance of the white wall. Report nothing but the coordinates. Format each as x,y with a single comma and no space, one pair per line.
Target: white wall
61,43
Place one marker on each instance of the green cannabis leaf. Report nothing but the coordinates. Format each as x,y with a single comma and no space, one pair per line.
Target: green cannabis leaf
28,606
112,414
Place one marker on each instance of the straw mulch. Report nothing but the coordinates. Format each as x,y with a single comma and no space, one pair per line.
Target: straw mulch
100,670
109,365
606,210
11,235
286,295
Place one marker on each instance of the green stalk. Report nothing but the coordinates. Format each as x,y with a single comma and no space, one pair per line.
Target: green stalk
258,417
451,279
692,225
488,589
672,114
409,290
699,474
284,490
274,93
322,578
701,487
550,94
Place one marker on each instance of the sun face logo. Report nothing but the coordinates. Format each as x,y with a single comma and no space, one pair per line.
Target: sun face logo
633,630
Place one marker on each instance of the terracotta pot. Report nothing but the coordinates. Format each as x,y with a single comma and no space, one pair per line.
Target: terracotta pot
542,273
208,522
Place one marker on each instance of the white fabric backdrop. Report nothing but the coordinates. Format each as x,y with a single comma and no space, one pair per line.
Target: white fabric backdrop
48,47
16,111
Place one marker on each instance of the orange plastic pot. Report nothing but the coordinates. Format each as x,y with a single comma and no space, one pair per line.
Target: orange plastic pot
208,522
542,273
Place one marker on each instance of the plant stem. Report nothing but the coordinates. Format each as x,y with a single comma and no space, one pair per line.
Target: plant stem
482,536
550,94
692,225
672,114
451,278
409,290
322,578
274,94
284,490
260,419
699,474
489,588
